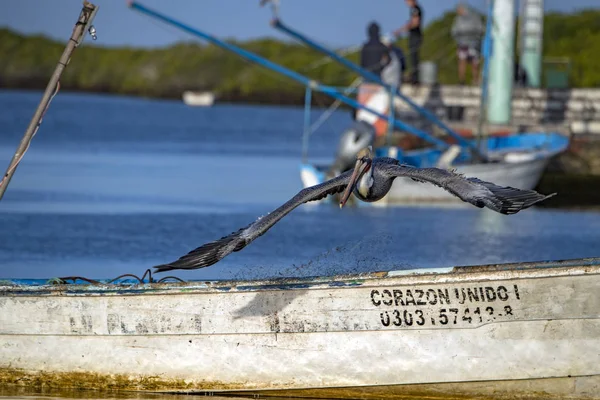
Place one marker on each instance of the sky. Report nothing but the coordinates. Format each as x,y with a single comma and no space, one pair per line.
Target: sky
333,22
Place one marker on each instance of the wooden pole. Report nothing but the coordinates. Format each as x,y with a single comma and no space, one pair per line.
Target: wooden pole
88,12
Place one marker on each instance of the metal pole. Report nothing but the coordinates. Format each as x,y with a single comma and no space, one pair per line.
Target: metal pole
390,130
487,49
86,17
532,32
502,63
306,133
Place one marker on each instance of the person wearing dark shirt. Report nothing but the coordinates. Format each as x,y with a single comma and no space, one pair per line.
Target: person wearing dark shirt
415,37
374,54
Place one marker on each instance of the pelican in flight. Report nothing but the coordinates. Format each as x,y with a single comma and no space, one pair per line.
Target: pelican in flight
370,181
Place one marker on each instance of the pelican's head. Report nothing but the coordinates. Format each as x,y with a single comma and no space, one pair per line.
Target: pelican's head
363,165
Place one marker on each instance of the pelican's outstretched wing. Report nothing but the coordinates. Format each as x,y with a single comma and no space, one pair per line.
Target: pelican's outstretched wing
505,200
212,252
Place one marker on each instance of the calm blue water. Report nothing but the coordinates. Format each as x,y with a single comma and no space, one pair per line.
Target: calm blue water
114,185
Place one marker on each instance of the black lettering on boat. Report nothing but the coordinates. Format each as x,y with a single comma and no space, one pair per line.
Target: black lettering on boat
517,292
410,300
420,293
466,316
397,318
421,319
461,296
502,293
472,294
444,295
374,293
408,318
490,293
431,297
508,310
389,301
455,311
385,318
478,312
443,317
481,293
398,297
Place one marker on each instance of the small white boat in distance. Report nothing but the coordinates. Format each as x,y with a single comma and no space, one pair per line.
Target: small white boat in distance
203,99
528,330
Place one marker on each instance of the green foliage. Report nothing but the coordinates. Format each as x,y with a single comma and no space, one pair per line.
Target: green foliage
166,72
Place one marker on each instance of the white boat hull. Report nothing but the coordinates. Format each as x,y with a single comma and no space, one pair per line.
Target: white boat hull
203,99
456,327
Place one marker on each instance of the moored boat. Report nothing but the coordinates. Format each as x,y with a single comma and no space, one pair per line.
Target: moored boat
516,161
530,329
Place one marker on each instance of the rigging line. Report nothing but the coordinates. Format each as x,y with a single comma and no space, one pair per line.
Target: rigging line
167,28
336,104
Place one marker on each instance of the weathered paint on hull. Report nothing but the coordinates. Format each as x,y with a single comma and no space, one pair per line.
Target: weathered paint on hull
483,324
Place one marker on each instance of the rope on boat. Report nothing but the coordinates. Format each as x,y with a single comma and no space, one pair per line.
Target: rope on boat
73,279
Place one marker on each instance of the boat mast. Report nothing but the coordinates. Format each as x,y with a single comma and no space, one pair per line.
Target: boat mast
83,25
531,40
502,62
487,49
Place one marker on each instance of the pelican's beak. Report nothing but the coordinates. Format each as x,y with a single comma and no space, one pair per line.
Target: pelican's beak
362,165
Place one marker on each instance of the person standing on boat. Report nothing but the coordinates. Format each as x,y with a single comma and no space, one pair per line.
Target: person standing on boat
467,31
374,55
415,37
392,72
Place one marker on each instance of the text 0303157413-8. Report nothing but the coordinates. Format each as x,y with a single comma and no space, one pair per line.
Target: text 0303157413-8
443,307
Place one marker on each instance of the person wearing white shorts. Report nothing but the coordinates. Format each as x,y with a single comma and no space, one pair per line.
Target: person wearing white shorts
467,31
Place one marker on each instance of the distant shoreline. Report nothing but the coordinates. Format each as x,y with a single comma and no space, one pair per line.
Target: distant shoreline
27,62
